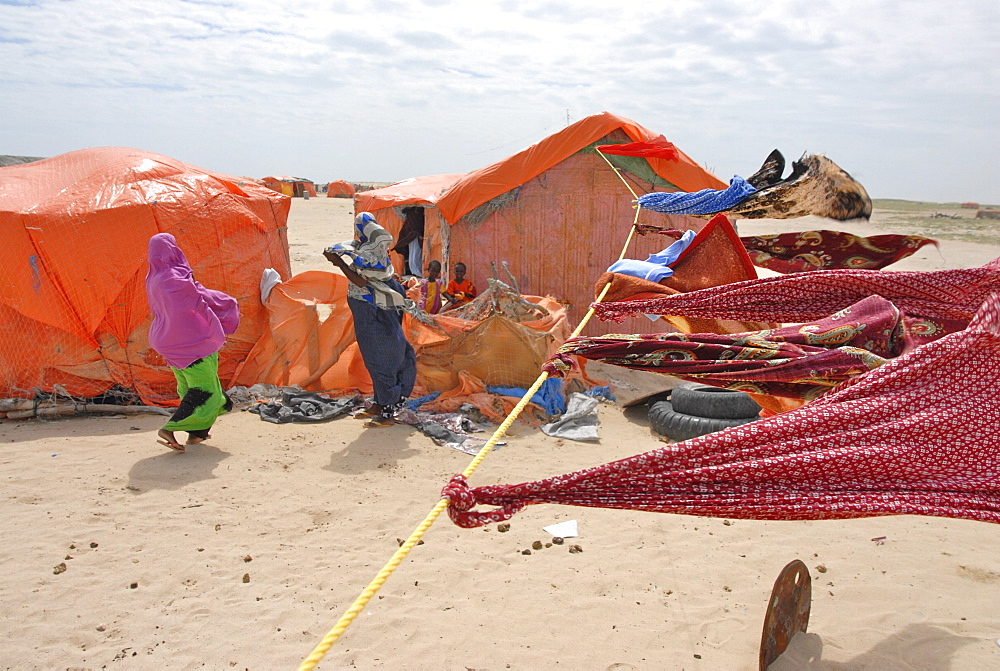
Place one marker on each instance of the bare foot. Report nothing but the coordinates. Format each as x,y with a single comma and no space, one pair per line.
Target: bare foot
194,440
167,438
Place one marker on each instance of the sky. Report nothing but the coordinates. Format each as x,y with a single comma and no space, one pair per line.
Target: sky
904,95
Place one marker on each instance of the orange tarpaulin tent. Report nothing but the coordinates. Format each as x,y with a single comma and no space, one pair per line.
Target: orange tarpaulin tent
340,189
310,342
73,310
556,212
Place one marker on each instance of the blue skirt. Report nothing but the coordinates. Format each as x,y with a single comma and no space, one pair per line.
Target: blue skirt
388,355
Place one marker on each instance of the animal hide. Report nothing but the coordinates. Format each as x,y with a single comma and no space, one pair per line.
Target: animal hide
816,185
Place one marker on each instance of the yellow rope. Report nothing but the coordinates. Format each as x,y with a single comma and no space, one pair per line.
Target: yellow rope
634,196
375,585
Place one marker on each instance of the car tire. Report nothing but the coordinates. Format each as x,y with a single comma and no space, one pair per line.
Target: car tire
666,421
702,400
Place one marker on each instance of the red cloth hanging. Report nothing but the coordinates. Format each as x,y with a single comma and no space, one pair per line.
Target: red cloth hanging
658,147
803,361
816,250
934,303
917,436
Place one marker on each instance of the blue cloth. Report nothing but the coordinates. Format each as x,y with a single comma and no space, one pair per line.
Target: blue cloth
657,266
388,355
604,392
549,396
415,403
706,201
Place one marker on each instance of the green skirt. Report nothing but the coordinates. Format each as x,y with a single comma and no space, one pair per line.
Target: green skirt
202,398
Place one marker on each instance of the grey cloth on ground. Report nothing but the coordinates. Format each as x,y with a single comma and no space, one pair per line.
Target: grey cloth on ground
579,422
303,407
448,429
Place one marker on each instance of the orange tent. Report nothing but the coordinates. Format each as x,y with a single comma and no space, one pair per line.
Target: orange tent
290,186
73,310
310,342
340,189
556,212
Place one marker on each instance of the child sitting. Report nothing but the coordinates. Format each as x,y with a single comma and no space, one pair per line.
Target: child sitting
460,290
426,291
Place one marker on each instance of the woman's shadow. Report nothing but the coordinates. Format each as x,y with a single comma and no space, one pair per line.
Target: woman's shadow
374,449
173,470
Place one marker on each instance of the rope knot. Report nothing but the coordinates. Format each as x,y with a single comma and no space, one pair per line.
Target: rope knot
459,495
461,500
560,365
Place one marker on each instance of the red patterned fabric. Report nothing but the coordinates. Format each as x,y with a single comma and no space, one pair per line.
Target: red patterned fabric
815,250
917,436
803,361
934,303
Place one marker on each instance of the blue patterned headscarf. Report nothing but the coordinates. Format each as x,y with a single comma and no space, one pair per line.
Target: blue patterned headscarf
369,250
368,255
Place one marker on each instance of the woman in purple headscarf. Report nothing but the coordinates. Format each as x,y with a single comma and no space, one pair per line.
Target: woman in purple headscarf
190,324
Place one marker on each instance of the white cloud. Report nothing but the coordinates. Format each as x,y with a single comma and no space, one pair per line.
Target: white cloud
902,94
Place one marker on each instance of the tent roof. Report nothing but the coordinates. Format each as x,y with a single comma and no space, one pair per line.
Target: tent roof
7,159
479,186
425,190
285,178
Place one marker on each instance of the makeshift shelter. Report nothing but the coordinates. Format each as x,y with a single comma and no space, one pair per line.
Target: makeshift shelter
556,211
73,310
290,186
502,339
340,189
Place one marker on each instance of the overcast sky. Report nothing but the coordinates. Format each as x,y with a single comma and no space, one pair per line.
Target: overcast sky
904,95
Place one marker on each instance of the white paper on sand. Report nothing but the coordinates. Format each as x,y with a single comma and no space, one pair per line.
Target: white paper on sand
565,529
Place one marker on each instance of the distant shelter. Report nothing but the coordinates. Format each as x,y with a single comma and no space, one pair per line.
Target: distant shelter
295,187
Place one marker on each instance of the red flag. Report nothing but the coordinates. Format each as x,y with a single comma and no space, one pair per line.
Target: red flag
658,147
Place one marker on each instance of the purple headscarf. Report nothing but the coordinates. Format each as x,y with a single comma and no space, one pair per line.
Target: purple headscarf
189,321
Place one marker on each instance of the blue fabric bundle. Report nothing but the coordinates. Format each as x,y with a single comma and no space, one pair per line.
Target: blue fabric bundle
657,266
706,201
549,396
605,392
415,403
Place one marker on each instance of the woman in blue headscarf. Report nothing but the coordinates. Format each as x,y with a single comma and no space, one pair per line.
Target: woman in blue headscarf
377,302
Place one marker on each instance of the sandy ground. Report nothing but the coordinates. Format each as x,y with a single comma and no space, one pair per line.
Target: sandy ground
243,552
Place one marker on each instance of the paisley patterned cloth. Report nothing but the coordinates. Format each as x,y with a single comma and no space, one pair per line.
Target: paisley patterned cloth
917,435
803,361
817,250
933,303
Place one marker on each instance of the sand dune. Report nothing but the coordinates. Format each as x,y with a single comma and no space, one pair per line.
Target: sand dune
243,552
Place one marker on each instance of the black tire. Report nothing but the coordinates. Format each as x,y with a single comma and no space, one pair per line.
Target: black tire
702,400
678,426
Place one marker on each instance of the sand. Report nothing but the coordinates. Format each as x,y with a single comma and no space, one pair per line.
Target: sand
245,551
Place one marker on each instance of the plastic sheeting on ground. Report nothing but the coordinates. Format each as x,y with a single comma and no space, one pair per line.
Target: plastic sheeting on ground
579,422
